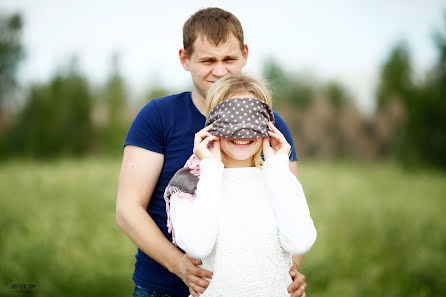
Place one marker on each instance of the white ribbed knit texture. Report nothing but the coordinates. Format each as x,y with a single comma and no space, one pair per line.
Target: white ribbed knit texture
246,256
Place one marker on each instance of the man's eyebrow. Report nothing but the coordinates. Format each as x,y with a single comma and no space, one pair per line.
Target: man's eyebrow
207,59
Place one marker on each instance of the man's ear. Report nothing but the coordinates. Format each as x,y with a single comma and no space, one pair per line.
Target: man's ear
184,59
245,54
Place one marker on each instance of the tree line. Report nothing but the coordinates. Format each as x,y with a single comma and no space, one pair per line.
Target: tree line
67,116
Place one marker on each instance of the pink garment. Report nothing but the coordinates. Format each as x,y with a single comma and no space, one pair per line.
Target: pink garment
183,184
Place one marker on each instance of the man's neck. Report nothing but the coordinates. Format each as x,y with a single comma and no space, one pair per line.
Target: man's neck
199,102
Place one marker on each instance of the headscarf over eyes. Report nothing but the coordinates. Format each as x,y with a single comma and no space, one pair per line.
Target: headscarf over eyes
240,118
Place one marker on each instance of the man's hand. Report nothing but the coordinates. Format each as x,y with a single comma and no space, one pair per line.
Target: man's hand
192,275
298,285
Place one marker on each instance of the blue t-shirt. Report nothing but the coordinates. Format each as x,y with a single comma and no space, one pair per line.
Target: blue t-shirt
167,126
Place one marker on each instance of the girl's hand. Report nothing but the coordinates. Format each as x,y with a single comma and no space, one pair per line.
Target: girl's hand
207,145
276,144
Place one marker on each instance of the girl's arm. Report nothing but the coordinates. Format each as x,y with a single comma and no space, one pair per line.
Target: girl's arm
296,229
195,222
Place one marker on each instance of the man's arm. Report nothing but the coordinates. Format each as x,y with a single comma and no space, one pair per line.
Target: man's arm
140,171
298,285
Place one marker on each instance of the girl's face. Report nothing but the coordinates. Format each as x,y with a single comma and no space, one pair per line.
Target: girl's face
240,152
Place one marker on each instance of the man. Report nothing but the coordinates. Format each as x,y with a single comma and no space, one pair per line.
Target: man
159,142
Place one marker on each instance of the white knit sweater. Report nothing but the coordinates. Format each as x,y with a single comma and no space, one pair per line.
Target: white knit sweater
245,224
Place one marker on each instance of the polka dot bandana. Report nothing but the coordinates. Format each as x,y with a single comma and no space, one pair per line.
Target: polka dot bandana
240,118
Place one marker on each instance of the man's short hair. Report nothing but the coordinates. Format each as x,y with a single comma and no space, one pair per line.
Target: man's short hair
214,24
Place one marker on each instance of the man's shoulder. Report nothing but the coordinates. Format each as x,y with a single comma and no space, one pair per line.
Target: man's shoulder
162,110
170,101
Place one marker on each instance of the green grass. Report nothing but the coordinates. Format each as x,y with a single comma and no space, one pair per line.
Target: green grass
381,230
58,229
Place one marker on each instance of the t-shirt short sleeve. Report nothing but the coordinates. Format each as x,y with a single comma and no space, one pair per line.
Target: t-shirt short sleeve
282,126
146,129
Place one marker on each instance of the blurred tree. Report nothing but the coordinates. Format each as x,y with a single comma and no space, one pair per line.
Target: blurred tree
115,92
287,88
425,129
32,135
56,119
336,94
71,91
440,69
115,98
156,92
394,92
396,76
155,89
11,53
273,73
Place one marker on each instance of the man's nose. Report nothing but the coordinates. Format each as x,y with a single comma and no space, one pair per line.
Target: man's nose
220,70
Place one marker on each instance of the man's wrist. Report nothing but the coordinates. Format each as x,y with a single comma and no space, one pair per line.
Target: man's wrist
173,261
296,264
297,261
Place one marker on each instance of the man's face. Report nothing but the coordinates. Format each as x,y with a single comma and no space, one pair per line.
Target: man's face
208,62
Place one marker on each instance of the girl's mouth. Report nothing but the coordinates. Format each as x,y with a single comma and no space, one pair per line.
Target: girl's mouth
242,142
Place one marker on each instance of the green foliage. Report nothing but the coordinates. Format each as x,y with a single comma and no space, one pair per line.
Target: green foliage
396,76
11,53
114,131
156,92
336,94
56,118
423,136
380,230
294,90
115,93
287,88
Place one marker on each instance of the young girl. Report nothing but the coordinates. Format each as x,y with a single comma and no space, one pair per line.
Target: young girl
243,217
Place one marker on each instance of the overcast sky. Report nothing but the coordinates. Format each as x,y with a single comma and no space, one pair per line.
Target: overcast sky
344,40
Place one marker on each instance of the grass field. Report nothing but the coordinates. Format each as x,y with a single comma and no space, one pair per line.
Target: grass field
381,230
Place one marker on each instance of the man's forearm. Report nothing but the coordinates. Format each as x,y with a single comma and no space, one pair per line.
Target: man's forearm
143,231
298,260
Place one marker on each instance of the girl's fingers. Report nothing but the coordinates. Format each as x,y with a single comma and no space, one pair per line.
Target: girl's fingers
279,142
274,129
205,142
278,137
217,144
200,136
205,129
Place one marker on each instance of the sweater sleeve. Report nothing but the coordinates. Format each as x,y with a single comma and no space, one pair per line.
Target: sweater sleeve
296,228
196,221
